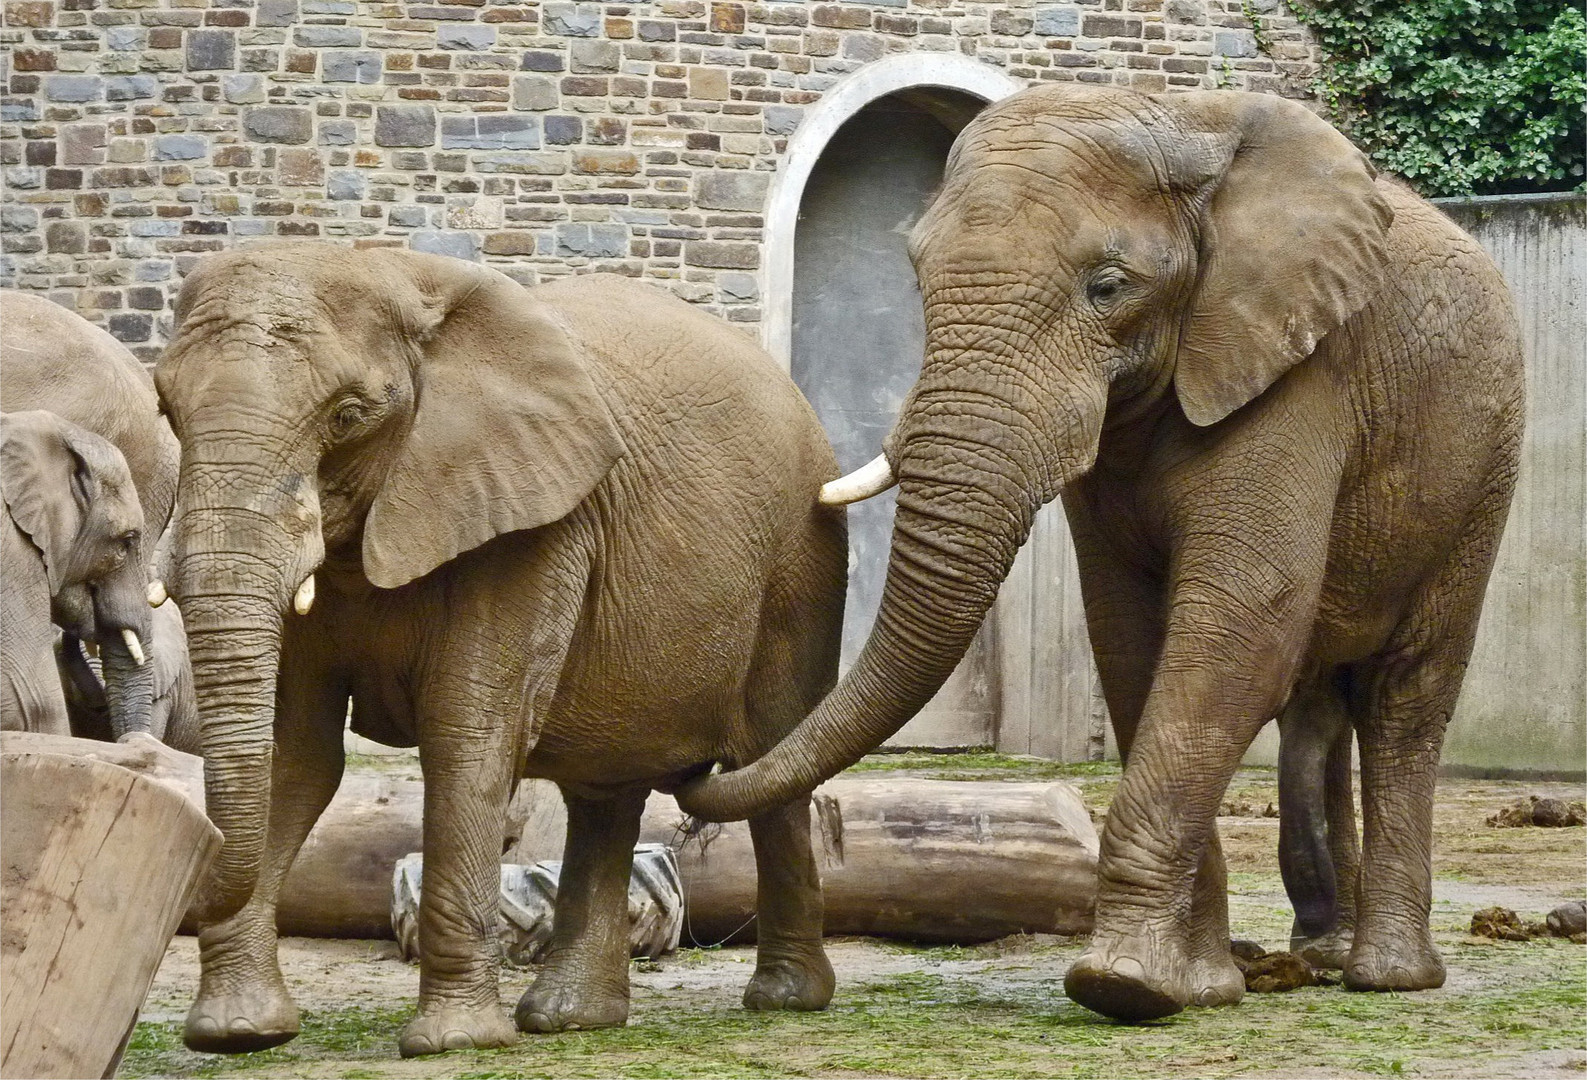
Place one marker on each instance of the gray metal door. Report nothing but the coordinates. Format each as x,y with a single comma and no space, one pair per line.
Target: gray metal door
858,335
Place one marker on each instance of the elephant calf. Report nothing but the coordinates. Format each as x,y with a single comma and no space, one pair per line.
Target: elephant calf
71,536
569,532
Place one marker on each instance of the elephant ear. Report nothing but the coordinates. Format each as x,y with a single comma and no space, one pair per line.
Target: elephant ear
47,484
509,430
1293,243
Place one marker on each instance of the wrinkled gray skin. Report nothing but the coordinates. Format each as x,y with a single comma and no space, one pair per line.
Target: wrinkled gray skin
173,715
569,532
1282,402
54,359
71,535
1317,845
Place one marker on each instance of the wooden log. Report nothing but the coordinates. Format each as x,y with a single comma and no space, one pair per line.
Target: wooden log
929,860
99,865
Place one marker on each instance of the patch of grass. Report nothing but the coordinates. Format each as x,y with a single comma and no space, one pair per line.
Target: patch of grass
968,1021
338,1035
984,765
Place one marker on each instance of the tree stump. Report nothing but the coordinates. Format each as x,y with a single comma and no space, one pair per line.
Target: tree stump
99,864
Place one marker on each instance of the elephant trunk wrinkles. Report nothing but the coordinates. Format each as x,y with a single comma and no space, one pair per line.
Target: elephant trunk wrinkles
953,544
129,687
121,605
232,595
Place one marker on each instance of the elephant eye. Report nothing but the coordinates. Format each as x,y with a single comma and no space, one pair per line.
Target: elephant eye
128,540
1105,288
347,416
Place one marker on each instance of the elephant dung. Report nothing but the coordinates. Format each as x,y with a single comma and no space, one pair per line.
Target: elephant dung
1568,920
1498,923
1272,973
1543,812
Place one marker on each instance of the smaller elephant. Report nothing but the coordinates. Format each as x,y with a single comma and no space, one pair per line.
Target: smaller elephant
173,718
72,534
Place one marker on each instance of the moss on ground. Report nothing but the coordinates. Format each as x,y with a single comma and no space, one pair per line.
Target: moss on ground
947,1021
998,1009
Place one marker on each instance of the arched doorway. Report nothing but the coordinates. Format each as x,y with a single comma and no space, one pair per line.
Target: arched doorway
857,339
842,311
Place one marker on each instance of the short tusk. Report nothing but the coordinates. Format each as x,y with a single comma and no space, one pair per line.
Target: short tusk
157,593
130,637
872,478
91,648
303,599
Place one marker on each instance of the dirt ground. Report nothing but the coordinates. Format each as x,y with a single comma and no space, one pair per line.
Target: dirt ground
1507,1010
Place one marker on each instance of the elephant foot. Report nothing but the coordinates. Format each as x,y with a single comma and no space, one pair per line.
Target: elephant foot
1216,981
440,1030
803,985
1130,980
1326,952
557,1004
1399,966
242,1022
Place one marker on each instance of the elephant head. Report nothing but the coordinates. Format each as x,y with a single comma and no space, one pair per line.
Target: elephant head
70,492
377,411
1093,255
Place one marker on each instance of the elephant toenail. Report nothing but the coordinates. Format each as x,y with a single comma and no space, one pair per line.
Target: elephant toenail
1127,967
456,1040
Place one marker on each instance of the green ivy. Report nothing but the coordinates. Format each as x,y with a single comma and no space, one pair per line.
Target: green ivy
1460,97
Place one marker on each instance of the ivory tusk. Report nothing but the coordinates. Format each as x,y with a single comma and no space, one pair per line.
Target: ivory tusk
157,593
303,599
872,478
130,637
91,648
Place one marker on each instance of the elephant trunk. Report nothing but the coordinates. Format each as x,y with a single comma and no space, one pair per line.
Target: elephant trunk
123,627
964,510
234,576
129,687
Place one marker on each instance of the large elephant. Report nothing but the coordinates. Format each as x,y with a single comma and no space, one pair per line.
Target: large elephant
71,535
570,532
55,360
1282,402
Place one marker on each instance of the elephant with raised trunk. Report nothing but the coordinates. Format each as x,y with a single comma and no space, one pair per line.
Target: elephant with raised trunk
1281,400
569,532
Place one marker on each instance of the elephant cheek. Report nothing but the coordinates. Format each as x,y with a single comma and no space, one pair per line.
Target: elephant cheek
72,609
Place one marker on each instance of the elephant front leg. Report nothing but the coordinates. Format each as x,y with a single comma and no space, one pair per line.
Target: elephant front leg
584,983
467,776
243,1003
1240,616
791,968
1161,937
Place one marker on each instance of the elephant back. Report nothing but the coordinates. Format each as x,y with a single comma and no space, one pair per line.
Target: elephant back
56,360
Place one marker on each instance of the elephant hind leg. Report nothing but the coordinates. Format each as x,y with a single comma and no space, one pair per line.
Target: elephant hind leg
243,1004
584,982
1317,852
791,967
1402,703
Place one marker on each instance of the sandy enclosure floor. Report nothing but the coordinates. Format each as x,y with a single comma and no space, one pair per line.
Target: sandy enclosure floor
1507,1010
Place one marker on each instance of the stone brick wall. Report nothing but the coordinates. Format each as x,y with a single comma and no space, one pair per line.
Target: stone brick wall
548,139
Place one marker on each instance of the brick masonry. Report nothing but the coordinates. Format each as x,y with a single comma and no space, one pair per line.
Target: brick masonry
545,139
